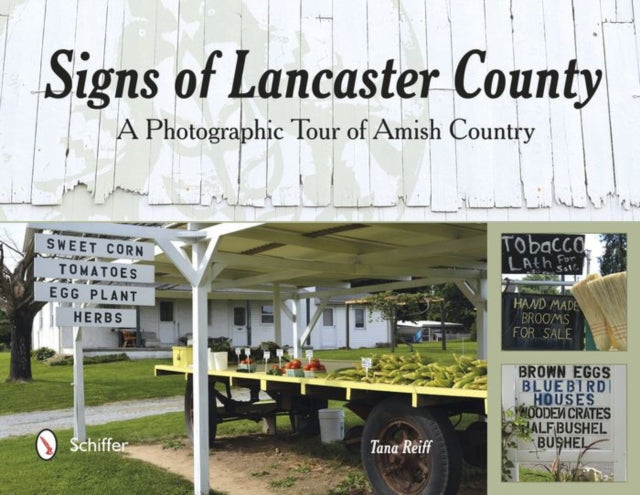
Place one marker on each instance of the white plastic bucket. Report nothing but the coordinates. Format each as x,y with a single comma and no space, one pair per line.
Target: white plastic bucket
331,425
218,361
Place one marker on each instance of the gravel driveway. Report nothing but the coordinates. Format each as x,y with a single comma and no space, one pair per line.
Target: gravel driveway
30,423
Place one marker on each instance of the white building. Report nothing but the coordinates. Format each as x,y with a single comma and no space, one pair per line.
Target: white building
287,283
246,322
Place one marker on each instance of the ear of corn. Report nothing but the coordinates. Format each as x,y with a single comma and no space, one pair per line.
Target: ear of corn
467,373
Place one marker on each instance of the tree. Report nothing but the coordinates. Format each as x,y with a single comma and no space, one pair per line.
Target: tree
457,308
18,305
395,306
614,257
540,289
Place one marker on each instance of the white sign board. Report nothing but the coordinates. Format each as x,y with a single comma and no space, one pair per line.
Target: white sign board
94,317
98,294
93,246
93,270
569,407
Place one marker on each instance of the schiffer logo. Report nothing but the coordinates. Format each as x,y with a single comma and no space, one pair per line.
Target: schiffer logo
46,444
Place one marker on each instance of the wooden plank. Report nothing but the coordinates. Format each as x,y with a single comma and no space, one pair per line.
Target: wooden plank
253,163
108,146
595,128
416,170
444,180
351,175
566,132
131,169
4,18
19,105
385,154
220,162
636,22
535,156
624,93
84,125
616,10
283,156
51,140
190,56
507,189
624,10
608,10
316,157
474,157
161,154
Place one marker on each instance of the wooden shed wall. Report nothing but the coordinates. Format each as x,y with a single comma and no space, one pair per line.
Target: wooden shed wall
61,159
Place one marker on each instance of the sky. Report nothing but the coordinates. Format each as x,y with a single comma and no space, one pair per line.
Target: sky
12,234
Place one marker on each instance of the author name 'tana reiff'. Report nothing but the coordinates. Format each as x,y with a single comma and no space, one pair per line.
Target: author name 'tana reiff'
405,447
458,129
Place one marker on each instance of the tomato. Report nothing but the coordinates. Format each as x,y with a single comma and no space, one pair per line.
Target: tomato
322,367
296,364
313,368
314,361
307,367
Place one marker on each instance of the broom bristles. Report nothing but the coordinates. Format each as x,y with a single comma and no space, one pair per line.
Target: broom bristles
611,293
592,311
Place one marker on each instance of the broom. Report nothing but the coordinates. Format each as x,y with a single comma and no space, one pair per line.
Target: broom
611,293
592,311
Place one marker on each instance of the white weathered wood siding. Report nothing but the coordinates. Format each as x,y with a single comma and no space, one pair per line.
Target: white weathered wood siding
60,159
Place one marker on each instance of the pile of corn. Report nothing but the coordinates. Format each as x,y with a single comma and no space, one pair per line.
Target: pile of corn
467,373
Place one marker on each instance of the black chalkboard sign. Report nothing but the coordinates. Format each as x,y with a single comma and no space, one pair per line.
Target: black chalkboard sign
561,254
535,321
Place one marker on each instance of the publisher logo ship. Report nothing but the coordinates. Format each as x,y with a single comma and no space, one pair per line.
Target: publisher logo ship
46,444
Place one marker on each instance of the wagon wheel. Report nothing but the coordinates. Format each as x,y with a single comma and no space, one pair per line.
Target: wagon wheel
188,411
410,451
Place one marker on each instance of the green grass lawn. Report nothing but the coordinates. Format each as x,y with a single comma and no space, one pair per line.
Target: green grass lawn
108,382
126,380
22,472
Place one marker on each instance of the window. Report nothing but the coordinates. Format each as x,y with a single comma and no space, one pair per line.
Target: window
166,311
239,317
359,314
266,314
327,317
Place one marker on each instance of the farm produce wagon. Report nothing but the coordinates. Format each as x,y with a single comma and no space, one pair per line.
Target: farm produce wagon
408,442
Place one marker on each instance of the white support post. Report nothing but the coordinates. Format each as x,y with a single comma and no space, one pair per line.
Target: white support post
79,425
482,320
200,375
277,313
312,323
291,313
296,332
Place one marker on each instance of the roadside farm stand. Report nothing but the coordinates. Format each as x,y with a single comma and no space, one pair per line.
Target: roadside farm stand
293,262
393,414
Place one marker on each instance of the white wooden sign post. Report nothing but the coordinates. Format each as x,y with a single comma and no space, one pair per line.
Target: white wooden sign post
81,294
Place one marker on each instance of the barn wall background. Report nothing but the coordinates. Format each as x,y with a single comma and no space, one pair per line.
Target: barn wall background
61,159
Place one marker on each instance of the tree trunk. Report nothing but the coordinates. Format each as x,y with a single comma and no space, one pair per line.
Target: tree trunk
20,367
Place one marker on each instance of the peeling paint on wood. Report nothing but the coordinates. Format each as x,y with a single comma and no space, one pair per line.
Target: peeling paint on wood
55,151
